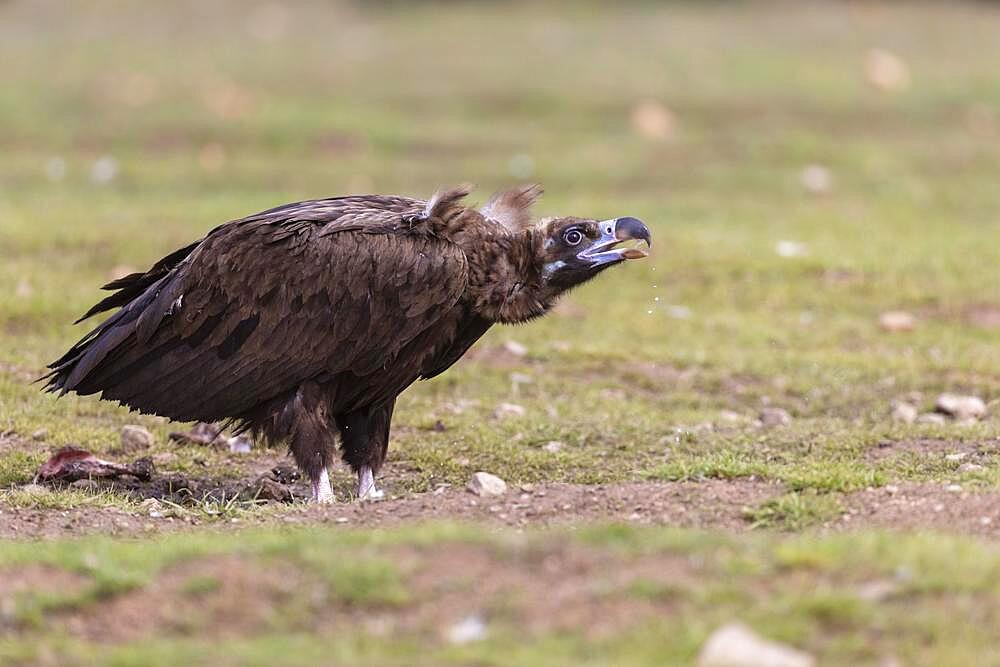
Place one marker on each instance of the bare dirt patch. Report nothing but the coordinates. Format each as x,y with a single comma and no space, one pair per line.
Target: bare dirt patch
707,504
914,506
971,451
231,595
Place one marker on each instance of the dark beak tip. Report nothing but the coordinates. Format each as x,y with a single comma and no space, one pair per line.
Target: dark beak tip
633,228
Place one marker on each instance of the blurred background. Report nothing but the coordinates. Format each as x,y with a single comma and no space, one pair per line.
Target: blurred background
821,179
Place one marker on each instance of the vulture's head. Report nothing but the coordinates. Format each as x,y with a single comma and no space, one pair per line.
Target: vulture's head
542,260
574,250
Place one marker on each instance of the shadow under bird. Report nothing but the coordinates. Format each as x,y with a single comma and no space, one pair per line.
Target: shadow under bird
305,322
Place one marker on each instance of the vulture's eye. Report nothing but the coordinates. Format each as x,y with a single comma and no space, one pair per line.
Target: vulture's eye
572,236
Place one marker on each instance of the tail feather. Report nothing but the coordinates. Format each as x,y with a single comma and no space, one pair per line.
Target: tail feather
134,296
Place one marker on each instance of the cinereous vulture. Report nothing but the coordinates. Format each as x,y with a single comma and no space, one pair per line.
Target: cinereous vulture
306,321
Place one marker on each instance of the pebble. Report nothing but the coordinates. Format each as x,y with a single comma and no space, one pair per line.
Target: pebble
135,437
470,629
816,179
552,446
485,484
891,489
970,467
931,418
953,488
736,645
775,417
897,320
886,71
509,410
515,348
961,407
34,489
40,434
904,412
955,457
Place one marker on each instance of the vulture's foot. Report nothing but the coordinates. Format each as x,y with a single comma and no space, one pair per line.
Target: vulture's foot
321,491
366,485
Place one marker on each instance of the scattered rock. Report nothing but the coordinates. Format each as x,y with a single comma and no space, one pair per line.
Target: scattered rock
731,417
790,249
34,489
970,467
134,438
268,488
887,71
960,407
40,434
931,418
897,320
515,348
736,645
958,456
485,484
878,590
509,410
239,445
816,179
904,412
953,488
200,434
775,417
469,629
652,120
552,446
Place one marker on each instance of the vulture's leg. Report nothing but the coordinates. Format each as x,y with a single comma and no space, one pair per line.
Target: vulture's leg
311,437
364,437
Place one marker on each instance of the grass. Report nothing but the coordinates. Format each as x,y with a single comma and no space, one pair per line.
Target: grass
900,593
657,371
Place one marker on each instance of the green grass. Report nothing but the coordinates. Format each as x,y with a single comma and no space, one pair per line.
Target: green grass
657,371
809,592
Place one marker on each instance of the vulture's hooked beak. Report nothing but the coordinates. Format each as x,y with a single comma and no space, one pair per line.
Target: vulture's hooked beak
615,231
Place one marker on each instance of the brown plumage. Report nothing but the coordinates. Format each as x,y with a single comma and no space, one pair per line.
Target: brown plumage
306,321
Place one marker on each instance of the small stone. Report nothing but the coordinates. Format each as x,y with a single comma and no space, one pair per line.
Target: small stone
931,418
736,645
35,489
961,407
985,520
730,416
469,629
135,437
775,417
790,249
552,446
891,489
970,467
904,413
341,519
40,434
897,320
652,120
816,179
505,410
485,484
955,457
887,71
515,348
239,445
953,488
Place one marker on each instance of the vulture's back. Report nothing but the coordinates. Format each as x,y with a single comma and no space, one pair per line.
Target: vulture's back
321,290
